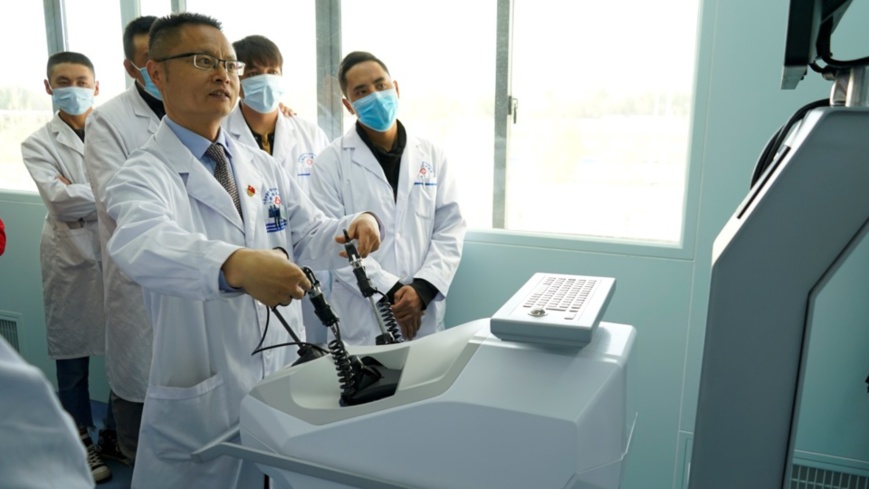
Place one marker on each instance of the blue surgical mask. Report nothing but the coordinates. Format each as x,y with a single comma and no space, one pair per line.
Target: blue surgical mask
73,100
149,85
377,110
263,93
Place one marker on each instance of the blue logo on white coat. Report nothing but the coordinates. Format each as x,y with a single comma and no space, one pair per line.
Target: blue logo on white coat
276,212
426,175
305,163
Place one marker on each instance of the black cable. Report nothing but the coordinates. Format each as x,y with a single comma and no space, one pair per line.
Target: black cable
837,64
823,48
392,332
767,156
291,343
384,309
284,323
297,341
263,338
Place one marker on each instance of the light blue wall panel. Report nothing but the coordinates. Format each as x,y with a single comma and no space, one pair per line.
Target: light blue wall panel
21,286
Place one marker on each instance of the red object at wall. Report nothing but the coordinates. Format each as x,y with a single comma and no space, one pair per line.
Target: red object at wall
2,237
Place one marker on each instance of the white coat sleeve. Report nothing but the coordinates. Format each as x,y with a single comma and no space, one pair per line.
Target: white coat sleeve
66,203
448,235
150,246
39,443
313,232
326,192
104,152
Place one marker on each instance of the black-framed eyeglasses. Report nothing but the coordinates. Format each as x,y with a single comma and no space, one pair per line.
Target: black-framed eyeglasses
207,62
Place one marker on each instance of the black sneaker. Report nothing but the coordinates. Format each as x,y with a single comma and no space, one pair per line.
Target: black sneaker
107,446
99,470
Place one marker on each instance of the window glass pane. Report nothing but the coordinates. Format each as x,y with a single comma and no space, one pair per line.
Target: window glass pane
601,143
291,26
157,8
104,45
445,68
24,105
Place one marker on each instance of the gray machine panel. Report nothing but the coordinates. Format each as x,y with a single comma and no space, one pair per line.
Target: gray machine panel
767,262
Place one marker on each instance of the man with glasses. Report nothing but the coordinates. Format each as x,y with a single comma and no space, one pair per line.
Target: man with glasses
206,225
115,130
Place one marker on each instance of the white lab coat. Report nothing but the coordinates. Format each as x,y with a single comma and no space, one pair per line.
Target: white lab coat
423,230
39,443
176,227
297,142
114,130
72,279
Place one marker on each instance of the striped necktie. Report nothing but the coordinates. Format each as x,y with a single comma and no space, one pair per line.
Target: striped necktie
222,174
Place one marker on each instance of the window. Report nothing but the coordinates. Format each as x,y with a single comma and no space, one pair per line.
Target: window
442,56
104,46
290,25
24,105
157,8
600,144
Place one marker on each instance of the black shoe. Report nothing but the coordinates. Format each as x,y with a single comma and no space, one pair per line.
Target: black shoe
99,470
107,446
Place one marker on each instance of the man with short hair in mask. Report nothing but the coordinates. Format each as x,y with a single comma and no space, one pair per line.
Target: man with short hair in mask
257,120
116,129
407,182
293,141
69,251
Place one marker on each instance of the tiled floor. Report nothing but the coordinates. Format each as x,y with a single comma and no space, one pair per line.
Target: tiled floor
121,474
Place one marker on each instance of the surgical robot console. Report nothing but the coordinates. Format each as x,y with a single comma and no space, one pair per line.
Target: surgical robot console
801,219
462,408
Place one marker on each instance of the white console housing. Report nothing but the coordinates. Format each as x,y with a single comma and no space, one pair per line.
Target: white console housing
470,411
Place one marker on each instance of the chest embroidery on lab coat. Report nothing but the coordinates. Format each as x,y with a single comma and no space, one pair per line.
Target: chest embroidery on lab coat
305,164
426,175
276,215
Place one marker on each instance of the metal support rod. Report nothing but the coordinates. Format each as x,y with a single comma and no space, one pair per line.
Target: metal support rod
330,111
55,27
503,112
858,88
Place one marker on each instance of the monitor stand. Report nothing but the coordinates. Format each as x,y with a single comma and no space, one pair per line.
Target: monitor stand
804,213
